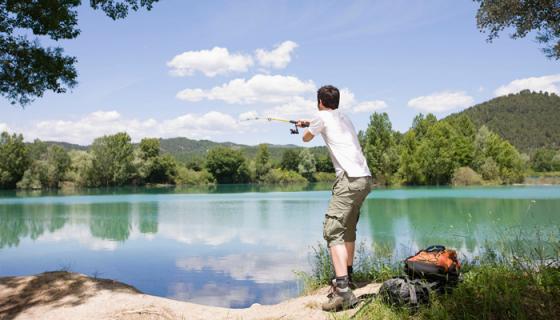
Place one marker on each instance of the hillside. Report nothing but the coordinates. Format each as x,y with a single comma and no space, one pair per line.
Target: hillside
185,149
529,120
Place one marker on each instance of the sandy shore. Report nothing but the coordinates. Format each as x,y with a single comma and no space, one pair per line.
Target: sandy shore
64,295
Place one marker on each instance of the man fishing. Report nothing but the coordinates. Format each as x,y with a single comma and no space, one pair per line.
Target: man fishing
351,187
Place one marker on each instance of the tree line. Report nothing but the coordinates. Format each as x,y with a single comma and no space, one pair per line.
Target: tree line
449,151
113,160
431,152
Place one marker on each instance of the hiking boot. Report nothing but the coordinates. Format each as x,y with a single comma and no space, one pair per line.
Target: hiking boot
351,283
340,300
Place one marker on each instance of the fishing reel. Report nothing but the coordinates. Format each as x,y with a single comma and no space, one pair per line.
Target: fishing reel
295,130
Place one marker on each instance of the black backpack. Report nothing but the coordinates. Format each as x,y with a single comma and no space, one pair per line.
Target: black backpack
404,292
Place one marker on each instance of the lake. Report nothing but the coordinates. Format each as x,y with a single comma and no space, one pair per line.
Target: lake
233,246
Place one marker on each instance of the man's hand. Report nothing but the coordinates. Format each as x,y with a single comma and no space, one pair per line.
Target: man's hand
302,123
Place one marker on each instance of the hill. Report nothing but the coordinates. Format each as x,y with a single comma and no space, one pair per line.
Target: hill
529,120
185,149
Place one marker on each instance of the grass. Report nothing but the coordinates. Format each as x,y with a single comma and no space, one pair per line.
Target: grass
374,264
514,279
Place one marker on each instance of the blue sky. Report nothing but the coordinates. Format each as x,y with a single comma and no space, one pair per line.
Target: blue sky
195,69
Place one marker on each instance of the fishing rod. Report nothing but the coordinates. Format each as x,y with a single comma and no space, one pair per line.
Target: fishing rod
294,122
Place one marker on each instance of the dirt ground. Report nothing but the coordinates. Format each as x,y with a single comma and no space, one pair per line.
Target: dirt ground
64,295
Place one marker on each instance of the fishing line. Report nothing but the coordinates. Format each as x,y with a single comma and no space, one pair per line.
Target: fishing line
269,119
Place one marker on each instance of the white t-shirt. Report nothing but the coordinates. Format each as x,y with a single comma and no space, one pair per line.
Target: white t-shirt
341,139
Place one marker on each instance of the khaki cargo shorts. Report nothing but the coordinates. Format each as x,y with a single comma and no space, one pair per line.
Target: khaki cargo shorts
343,213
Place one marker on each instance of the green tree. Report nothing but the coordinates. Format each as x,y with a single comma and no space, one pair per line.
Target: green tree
542,160
112,158
58,162
324,163
80,171
556,162
14,159
436,154
262,162
152,166
149,148
290,160
488,145
522,16
227,165
306,166
380,148
464,139
28,69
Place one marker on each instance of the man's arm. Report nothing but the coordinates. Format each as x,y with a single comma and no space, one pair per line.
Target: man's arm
307,136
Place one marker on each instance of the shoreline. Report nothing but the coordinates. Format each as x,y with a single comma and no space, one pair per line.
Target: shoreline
69,295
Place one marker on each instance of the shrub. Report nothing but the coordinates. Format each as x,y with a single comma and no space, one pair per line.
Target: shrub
466,176
281,176
187,176
324,176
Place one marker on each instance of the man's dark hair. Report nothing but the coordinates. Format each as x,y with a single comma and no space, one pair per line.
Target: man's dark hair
329,95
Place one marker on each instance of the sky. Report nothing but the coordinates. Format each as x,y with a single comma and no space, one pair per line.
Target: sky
197,69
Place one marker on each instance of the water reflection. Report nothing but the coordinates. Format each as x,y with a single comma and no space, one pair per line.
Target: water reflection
232,249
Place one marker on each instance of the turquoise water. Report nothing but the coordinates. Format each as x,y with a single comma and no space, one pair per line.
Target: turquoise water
237,245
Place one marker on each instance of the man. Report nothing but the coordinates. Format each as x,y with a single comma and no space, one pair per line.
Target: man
351,187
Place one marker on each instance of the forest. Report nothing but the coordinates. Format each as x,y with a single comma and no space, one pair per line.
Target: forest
431,152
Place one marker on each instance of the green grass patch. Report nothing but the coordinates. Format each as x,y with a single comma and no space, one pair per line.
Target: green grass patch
514,279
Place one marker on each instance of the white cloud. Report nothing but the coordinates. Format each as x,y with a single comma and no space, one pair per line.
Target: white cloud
277,58
546,83
258,89
370,106
441,101
297,106
258,267
209,62
4,127
348,102
302,107
347,99
96,124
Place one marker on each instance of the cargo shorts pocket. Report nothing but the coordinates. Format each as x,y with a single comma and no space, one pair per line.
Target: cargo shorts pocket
358,184
333,229
337,184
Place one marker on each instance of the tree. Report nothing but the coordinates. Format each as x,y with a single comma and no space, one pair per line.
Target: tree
112,158
290,160
227,165
380,148
542,160
14,159
153,167
149,148
324,163
495,155
27,69
306,166
523,16
262,162
47,169
436,154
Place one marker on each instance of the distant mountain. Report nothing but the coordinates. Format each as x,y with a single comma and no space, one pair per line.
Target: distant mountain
67,146
529,120
185,149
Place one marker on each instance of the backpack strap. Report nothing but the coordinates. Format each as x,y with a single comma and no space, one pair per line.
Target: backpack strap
435,248
411,291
